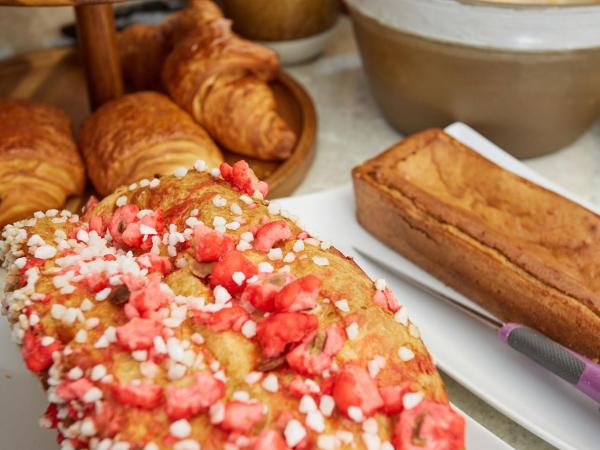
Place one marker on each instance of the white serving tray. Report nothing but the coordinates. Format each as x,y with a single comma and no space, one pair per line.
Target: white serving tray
467,350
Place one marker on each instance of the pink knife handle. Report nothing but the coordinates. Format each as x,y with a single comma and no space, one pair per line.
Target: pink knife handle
568,365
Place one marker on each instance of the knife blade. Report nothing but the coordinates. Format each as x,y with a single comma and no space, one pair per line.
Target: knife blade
572,367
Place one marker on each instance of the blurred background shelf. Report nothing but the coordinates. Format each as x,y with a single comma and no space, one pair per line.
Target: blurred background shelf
54,2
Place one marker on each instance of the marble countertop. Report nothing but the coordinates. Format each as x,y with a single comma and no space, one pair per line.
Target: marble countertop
351,129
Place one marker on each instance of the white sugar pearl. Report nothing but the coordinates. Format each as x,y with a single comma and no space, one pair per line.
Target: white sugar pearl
412,399
265,267
121,201
92,395
326,405
307,404
298,246
187,444
249,329
221,294
320,261
380,284
81,336
219,201
294,433
352,331
253,377
342,305
401,316
45,252
247,236
88,428
275,254
238,278
98,372
180,429
327,442
405,354
270,383
75,373
355,413
315,421
180,172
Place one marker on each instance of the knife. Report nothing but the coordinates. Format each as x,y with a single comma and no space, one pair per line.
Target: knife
572,367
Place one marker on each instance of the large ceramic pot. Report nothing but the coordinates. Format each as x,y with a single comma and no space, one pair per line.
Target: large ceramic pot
528,77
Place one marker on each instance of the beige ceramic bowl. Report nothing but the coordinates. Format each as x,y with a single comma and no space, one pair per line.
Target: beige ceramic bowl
527,77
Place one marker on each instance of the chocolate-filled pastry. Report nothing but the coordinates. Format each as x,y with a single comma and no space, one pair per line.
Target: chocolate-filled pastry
143,48
141,135
39,163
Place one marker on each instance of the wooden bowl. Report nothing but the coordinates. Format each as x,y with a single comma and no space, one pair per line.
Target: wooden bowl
55,76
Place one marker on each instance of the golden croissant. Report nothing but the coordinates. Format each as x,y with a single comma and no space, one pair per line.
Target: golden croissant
142,51
141,135
203,74
39,163
143,48
188,315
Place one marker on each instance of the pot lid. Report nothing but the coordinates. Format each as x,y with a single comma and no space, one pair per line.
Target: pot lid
514,25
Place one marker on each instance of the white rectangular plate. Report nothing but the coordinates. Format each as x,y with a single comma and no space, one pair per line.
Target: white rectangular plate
467,350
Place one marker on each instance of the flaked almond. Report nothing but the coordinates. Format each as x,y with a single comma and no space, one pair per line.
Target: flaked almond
202,270
119,295
270,364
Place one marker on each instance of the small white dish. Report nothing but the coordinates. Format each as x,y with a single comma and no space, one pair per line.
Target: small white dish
296,51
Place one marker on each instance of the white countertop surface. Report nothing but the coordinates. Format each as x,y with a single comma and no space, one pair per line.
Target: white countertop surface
351,129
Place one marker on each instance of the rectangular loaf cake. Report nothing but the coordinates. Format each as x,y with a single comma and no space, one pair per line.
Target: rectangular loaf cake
525,253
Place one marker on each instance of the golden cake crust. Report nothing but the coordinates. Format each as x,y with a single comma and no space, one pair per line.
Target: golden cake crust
523,252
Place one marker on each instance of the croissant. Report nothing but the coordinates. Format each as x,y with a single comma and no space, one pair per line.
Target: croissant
142,51
143,48
201,74
39,163
191,316
141,135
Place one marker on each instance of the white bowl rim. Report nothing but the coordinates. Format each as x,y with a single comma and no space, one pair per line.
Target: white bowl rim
538,28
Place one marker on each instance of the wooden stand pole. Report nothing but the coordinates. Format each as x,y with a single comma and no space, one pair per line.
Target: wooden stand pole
98,48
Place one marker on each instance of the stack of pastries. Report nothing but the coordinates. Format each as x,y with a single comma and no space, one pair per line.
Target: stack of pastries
190,314
216,76
219,96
